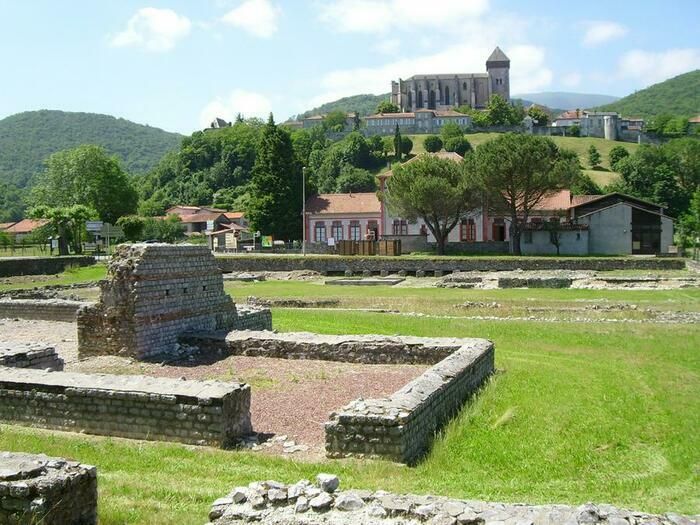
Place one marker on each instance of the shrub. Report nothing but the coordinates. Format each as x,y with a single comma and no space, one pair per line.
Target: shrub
432,143
459,145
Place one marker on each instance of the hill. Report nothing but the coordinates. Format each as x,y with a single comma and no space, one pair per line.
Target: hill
363,104
559,99
26,139
677,96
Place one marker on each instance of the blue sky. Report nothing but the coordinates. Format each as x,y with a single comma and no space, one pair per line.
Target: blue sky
175,64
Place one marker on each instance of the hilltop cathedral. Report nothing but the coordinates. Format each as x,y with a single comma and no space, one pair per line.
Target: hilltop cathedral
443,92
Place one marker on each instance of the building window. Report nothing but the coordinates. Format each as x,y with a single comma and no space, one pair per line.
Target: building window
527,237
354,230
467,230
400,227
337,230
320,231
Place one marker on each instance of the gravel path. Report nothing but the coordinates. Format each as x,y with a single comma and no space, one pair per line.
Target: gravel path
289,397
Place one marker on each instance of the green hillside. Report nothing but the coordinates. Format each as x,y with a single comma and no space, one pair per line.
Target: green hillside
26,139
677,96
363,104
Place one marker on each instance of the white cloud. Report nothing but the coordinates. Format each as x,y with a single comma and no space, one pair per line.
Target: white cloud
571,79
651,67
390,46
153,29
378,16
602,31
247,103
528,72
257,17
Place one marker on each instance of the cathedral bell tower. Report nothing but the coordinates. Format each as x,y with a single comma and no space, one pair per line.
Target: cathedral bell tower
498,69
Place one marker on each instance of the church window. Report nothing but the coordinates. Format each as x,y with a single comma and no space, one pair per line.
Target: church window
464,85
447,95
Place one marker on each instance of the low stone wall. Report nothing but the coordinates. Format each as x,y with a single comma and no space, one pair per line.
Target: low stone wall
36,489
302,503
534,282
26,355
402,427
367,349
195,412
252,318
411,265
10,266
40,309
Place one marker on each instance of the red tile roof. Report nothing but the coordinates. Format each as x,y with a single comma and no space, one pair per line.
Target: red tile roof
560,200
188,210
26,226
343,203
570,114
5,225
694,120
234,214
390,115
201,217
582,199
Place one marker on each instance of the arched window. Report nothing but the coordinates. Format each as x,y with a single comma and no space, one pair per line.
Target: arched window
419,103
410,100
447,95
431,99
464,85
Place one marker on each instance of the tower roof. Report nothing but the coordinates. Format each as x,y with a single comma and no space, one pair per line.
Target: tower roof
498,56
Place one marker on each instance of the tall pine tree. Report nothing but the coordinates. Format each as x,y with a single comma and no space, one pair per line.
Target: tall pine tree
275,205
397,143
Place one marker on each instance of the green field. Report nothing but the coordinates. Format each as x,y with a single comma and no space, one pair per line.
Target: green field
604,412
578,144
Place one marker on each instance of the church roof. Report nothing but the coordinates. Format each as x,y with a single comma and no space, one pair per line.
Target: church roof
498,56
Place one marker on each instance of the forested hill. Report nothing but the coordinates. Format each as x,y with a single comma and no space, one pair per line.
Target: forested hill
676,96
363,104
27,139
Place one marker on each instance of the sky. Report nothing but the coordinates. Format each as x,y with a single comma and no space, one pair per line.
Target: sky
176,64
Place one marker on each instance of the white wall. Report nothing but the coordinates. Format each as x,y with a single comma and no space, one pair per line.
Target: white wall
610,230
570,243
666,233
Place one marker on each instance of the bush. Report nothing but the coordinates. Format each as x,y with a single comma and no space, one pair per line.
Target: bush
450,130
432,143
355,180
575,131
616,155
406,145
459,145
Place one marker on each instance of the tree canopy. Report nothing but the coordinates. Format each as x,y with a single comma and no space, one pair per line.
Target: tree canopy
434,189
517,172
86,176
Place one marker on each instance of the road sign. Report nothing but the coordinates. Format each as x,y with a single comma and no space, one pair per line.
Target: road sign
94,226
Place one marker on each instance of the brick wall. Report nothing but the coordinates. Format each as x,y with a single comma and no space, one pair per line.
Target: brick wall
375,265
26,355
42,309
36,489
10,266
402,427
194,412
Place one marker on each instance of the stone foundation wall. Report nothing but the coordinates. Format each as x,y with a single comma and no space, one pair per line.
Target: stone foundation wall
252,318
304,503
195,412
402,427
37,356
152,295
410,265
10,266
40,309
36,489
368,349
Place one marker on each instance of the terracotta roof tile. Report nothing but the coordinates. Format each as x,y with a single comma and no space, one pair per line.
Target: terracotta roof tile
582,199
26,225
5,225
200,217
234,214
560,200
339,203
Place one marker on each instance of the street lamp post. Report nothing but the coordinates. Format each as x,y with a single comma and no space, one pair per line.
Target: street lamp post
303,211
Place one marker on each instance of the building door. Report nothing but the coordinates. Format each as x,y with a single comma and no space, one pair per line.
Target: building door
646,232
499,231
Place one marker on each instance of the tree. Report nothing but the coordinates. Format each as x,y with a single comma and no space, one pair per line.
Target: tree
385,106
575,130
435,189
585,185
397,143
375,144
169,229
275,202
132,226
450,130
335,121
593,157
406,145
685,154
690,224
459,145
68,223
516,172
86,176
432,143
501,113
554,229
538,115
616,155
355,180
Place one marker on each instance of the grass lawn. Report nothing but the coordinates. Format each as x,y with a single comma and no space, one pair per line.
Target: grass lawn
604,412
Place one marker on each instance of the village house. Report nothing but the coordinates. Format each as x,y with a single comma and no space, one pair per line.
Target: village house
201,219
23,228
420,121
612,224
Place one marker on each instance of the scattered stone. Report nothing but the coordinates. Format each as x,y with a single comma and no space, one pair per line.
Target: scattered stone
348,502
321,502
301,505
327,482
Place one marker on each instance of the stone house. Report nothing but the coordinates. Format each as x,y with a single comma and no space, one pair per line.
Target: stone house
200,219
342,216
420,121
23,228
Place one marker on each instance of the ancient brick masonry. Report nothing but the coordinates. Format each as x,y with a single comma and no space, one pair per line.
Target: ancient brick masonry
23,355
153,294
304,503
402,427
42,309
36,489
195,412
